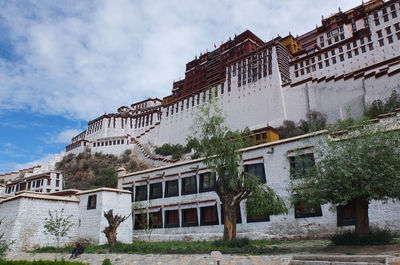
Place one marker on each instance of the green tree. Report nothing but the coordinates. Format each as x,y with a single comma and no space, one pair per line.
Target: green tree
220,147
58,225
355,167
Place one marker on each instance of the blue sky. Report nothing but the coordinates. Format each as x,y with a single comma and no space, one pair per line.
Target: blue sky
65,62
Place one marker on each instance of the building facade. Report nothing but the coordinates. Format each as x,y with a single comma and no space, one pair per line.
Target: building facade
182,204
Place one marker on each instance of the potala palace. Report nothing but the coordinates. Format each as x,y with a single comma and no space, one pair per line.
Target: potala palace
338,68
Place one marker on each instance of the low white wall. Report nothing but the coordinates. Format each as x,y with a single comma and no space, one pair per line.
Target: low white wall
24,222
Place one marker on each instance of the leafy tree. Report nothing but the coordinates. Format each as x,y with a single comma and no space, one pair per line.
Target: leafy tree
58,225
355,167
113,223
220,148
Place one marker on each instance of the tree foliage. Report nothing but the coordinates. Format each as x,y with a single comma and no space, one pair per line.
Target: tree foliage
378,107
57,224
357,166
220,146
314,121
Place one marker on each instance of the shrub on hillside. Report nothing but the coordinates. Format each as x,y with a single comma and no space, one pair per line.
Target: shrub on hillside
99,170
174,150
379,107
374,237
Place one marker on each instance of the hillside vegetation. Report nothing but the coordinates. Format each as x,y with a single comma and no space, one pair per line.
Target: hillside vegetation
88,171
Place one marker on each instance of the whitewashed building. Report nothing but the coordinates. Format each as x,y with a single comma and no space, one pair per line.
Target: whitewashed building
182,204
23,216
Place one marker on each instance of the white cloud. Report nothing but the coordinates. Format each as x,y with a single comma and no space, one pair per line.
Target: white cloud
83,58
64,137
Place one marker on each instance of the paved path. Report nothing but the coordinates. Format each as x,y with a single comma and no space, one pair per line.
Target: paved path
128,259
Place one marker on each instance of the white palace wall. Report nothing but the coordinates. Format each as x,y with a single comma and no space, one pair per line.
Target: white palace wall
254,105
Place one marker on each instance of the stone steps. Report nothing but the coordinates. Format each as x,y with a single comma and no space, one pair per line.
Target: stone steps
337,260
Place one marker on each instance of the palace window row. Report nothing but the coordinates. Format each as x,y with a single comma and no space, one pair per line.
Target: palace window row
109,143
386,14
31,185
193,100
187,216
329,58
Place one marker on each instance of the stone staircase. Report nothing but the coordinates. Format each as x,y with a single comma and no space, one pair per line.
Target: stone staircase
337,260
150,159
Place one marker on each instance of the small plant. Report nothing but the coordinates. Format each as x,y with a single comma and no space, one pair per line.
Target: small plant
57,225
4,245
374,237
106,262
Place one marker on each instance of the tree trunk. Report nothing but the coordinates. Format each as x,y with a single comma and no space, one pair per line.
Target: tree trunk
111,235
229,221
361,216
113,222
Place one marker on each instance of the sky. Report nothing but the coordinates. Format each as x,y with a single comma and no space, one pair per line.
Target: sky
63,63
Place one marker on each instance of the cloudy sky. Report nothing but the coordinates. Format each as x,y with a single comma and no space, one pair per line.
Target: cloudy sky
64,62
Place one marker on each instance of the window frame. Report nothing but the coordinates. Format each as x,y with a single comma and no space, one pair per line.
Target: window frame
184,191
137,198
186,223
166,219
157,196
212,175
202,215
92,202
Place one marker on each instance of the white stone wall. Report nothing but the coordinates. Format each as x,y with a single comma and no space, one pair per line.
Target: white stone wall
93,222
24,222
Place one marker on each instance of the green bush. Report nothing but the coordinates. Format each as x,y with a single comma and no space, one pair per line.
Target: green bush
174,150
39,262
234,243
374,237
106,262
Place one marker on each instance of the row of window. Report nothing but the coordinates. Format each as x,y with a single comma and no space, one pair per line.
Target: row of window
94,127
191,101
109,143
385,15
29,185
209,216
188,184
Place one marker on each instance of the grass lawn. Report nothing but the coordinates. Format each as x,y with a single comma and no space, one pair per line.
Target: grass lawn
244,246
